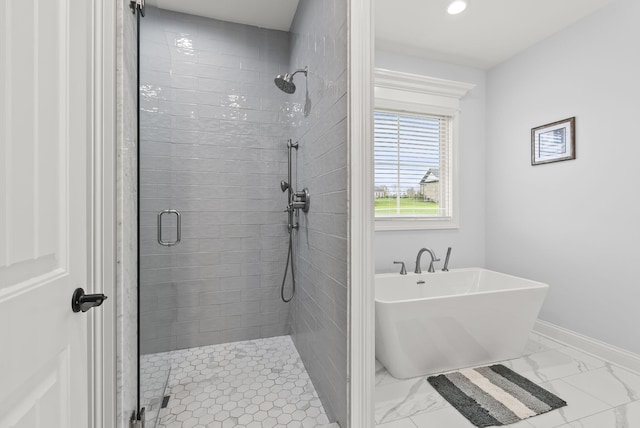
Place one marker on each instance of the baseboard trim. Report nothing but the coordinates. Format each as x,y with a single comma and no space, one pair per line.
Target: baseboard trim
602,350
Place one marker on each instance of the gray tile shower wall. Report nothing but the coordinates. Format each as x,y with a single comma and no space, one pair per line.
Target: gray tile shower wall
319,312
213,146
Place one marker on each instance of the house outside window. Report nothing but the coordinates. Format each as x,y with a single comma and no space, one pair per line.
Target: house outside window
430,186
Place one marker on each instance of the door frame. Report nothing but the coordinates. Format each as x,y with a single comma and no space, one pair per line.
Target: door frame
361,223
102,199
361,220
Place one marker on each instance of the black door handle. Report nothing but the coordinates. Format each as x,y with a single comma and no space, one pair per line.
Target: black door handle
84,302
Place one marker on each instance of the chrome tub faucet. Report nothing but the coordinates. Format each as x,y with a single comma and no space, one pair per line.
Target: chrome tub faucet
403,270
433,259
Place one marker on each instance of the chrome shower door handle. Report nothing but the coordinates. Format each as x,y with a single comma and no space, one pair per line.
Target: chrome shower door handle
178,231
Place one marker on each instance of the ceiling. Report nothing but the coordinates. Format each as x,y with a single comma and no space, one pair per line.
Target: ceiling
272,14
486,34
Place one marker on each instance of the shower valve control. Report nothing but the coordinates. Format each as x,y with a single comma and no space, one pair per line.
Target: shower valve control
301,200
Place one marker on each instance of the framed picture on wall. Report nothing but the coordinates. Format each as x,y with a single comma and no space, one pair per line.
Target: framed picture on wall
554,142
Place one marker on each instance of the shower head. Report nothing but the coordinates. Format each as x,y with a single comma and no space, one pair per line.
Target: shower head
285,82
284,185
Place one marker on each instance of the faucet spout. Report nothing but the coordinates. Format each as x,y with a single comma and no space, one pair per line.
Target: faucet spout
433,259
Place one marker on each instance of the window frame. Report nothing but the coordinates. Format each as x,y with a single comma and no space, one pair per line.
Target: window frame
406,93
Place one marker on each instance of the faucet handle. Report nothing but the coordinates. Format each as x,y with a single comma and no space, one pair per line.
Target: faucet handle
403,270
446,261
431,268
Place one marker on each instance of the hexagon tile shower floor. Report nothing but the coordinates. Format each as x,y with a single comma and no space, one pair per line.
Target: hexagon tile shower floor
254,383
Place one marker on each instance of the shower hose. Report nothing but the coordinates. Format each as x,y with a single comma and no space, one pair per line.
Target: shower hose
286,268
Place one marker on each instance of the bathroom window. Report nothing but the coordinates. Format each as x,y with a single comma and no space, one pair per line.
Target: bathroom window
415,149
412,163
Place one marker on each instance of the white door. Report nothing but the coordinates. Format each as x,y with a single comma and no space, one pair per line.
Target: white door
45,140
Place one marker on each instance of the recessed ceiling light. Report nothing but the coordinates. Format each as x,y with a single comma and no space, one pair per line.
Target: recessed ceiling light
457,6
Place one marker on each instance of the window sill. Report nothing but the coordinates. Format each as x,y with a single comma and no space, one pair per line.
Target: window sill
415,223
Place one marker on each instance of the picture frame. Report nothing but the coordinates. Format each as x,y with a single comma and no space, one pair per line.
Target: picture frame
554,142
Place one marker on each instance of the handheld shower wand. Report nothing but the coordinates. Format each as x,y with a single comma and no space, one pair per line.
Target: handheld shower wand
296,201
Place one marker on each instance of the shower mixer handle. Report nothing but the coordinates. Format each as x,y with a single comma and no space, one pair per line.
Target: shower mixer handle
301,200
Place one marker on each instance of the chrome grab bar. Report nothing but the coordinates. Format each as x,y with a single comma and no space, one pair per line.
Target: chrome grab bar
179,230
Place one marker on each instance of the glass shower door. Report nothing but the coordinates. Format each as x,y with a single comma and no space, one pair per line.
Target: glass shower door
160,236
157,289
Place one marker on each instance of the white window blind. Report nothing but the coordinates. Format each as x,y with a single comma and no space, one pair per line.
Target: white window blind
412,160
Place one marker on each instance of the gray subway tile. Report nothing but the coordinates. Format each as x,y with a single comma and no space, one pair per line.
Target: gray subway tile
197,339
221,323
227,167
220,297
157,345
195,313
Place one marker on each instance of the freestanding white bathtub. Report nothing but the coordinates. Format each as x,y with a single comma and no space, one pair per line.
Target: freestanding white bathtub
455,319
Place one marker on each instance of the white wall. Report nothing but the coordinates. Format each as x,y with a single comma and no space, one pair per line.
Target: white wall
575,224
467,241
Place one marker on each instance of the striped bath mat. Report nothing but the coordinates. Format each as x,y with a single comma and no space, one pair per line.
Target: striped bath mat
494,395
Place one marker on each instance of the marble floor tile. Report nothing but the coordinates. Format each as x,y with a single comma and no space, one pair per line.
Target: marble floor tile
579,405
538,343
525,423
450,418
599,395
589,360
400,423
553,364
383,377
405,398
625,416
611,384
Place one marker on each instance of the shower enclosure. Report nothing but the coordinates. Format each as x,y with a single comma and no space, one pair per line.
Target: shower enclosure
217,138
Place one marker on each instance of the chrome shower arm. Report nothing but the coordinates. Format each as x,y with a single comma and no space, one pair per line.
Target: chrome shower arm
300,70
